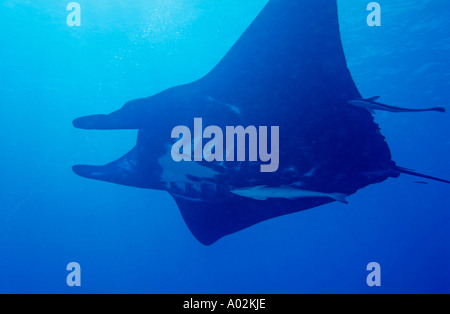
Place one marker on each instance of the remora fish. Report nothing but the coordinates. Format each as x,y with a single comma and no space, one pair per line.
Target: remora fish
371,105
263,193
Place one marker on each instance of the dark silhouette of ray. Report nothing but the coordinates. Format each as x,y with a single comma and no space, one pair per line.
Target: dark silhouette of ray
289,70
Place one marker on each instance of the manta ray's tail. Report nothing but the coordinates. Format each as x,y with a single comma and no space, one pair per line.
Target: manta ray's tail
413,173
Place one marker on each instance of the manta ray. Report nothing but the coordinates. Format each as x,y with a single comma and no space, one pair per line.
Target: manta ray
288,69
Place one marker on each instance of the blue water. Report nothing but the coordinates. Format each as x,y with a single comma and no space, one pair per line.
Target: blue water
134,241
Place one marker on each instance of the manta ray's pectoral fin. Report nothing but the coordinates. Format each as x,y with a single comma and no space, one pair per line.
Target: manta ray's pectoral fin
209,221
